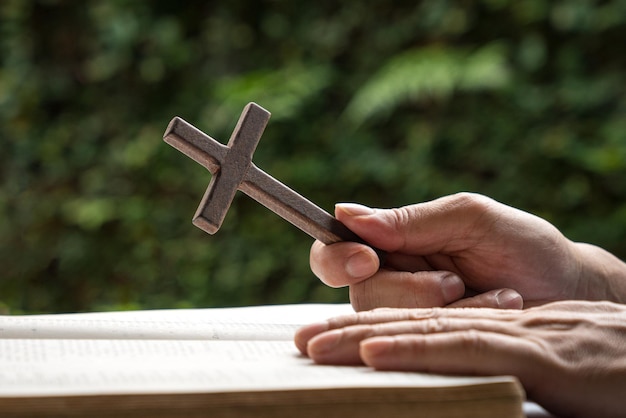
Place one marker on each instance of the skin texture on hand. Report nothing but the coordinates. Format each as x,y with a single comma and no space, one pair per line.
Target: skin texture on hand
570,355
463,250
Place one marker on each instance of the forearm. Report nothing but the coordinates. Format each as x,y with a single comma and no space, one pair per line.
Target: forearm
602,275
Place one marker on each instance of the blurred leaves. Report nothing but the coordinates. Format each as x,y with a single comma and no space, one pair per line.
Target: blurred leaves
431,73
381,103
283,91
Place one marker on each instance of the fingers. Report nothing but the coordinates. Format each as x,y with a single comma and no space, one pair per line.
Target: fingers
499,299
401,289
358,323
460,352
455,346
343,263
345,345
425,289
407,233
558,315
346,263
341,345
355,265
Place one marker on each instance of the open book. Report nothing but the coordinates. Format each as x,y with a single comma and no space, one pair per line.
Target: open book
227,362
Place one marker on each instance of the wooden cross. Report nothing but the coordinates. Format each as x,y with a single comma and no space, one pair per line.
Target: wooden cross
232,169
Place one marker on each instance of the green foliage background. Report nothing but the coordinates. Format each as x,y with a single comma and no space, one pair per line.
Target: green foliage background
384,103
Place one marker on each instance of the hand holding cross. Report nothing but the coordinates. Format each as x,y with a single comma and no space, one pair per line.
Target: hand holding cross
232,169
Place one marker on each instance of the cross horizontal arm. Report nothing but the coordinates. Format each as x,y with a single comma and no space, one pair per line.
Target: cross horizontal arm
195,144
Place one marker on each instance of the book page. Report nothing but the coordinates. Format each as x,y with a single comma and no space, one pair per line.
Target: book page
247,348
277,322
45,367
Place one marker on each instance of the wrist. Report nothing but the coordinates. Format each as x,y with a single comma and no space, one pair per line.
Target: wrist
602,275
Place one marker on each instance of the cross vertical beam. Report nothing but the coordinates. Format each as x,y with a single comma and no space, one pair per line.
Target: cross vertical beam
233,167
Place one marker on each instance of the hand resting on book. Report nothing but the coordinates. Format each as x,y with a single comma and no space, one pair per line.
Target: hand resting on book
468,251
570,356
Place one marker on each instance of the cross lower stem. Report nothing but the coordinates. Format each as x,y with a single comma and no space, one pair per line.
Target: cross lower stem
294,207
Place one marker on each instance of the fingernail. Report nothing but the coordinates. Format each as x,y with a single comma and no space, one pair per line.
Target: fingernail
452,287
509,299
362,264
354,209
323,344
308,332
376,346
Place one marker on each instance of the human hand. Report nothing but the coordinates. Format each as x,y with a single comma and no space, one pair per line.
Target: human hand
458,246
570,356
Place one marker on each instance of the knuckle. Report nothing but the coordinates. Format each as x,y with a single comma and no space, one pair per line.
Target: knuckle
420,314
401,217
338,322
471,201
435,325
473,343
361,296
351,320
402,222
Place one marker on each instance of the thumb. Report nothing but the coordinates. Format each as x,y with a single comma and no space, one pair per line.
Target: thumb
387,229
423,228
